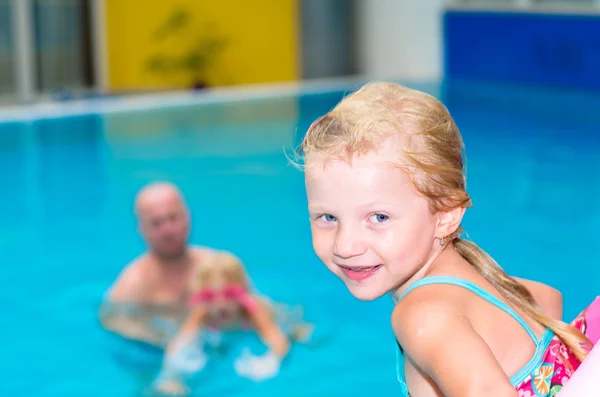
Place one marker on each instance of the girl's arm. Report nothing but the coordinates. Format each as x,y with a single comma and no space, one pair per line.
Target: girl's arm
441,341
187,332
170,378
267,328
549,299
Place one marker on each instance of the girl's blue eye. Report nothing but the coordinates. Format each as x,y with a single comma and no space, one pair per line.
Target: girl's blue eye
328,218
379,218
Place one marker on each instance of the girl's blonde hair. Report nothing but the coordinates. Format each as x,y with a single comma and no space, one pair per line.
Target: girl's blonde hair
224,263
432,154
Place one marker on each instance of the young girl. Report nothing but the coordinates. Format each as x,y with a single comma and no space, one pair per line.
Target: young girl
221,300
386,194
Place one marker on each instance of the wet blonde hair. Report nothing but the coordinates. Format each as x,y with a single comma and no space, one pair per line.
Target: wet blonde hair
225,264
432,154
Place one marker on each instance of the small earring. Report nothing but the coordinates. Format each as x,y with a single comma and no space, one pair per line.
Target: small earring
442,242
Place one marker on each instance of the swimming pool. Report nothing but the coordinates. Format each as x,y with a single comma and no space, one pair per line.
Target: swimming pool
68,226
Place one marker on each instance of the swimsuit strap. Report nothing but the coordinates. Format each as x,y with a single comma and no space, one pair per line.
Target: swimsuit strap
516,379
476,290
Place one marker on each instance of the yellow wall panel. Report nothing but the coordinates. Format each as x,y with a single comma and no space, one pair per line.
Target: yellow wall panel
261,35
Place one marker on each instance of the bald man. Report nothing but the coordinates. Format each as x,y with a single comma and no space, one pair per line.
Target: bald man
148,300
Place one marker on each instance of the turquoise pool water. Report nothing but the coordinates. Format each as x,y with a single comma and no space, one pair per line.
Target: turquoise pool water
68,229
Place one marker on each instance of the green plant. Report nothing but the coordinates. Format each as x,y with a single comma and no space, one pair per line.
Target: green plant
196,60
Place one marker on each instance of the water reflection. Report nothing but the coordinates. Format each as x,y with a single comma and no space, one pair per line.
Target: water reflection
70,173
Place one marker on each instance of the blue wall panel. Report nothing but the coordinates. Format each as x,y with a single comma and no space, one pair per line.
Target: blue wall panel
536,48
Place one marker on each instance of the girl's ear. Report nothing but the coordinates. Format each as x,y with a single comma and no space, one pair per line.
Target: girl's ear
449,221
236,275
239,274
198,279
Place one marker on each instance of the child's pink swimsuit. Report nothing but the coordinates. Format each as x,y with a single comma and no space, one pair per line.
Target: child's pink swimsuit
553,362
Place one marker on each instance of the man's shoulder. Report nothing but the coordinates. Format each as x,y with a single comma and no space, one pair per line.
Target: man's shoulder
137,265
202,252
130,279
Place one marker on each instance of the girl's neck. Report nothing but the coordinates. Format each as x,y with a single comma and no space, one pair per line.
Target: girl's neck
437,256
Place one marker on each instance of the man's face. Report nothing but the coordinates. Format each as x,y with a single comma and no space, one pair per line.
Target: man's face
165,225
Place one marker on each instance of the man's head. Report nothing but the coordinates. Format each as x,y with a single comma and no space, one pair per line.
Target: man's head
163,219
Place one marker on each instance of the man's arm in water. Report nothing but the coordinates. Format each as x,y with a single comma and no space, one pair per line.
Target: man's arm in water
121,311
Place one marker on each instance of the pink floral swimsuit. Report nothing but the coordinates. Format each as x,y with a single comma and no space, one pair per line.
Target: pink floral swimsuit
552,364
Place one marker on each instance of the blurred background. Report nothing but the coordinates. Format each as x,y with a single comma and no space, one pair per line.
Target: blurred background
86,47
100,97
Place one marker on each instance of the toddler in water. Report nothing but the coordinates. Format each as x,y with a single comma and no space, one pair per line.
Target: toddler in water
386,195
221,300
